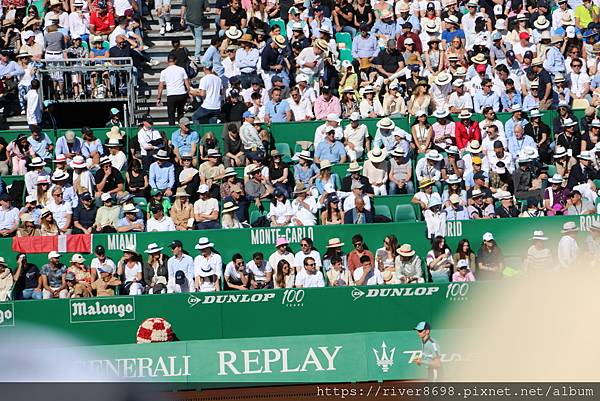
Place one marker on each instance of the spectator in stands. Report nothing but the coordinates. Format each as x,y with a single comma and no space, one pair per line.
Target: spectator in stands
68,145
301,107
48,226
326,105
386,255
162,173
334,249
282,253
6,281
207,267
578,205
61,210
310,277
129,269
466,254
355,169
107,217
256,187
253,146
19,151
260,271
356,137
407,266
130,221
81,276
9,217
280,212
305,171
507,207
181,270
332,123
338,275
539,256
304,207
359,214
234,147
478,208
43,193
84,215
277,110
108,179
53,277
426,194
185,140
41,144
435,218
400,173
439,260
236,276
463,273
456,208
210,90
581,172
117,158
101,261
27,279
490,259
206,210
27,227
366,274
182,211
228,217
137,181
307,249
326,182
360,249
332,213
159,221
330,149
106,283
377,169
555,196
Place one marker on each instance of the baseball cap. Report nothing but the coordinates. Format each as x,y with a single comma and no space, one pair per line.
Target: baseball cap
176,243
105,196
202,189
524,35
53,254
479,176
86,196
422,326
248,114
4,197
99,250
179,277
30,199
480,68
488,236
184,121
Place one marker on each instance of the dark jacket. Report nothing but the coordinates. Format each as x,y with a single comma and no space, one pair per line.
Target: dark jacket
579,176
349,216
148,271
347,184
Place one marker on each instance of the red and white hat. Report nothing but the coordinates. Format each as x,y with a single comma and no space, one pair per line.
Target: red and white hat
155,330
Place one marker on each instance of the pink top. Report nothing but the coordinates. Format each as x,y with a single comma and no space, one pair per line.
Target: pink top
459,278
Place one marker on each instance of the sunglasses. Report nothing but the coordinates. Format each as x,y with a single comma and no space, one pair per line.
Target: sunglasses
309,264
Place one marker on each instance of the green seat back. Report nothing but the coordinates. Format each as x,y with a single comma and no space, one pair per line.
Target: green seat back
383,210
405,213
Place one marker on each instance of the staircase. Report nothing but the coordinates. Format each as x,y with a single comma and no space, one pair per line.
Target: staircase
159,47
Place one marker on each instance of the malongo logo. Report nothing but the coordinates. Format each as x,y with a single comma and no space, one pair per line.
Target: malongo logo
102,310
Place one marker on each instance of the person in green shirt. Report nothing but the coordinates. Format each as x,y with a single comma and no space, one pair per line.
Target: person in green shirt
585,13
430,352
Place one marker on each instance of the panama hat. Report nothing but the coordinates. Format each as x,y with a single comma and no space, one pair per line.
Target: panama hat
435,201
113,143
368,89
203,243
569,123
59,175
229,207
247,38
443,78
474,146
515,108
585,155
460,72
322,44
334,243
37,162
153,248
501,195
26,217
115,132
538,235
433,155
556,179
569,227
162,155
537,62
354,167
206,271
233,33
479,58
212,153
129,208
30,21
42,179
567,19
386,123
535,113
452,150
430,26
398,152
405,250
465,114
541,23
300,188
279,41
229,172
452,19
441,113
453,179
305,155
377,155
556,39
129,249
181,192
426,183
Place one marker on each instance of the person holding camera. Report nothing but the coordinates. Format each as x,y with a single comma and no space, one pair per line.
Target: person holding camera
261,272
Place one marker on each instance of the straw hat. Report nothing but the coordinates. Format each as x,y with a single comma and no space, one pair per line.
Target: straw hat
406,250
479,58
325,164
334,243
115,132
233,33
433,155
567,19
322,44
474,147
377,155
37,162
181,193
441,113
443,78
229,207
354,167
453,179
129,249
465,114
426,183
541,23
538,235
386,123
204,243
129,208
305,155
153,248
161,155
569,227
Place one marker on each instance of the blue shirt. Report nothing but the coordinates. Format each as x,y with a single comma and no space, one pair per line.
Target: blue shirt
364,47
507,104
278,111
11,68
41,147
162,177
330,151
213,57
449,36
185,264
183,143
480,101
88,148
416,25
326,24
62,146
388,29
555,61
516,145
124,221
509,127
247,62
302,175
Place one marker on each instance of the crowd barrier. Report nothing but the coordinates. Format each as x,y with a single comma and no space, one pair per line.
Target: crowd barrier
245,314
365,356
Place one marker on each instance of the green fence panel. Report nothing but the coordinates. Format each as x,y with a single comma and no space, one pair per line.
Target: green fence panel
242,314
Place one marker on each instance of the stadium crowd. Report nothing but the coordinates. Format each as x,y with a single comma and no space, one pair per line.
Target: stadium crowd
450,67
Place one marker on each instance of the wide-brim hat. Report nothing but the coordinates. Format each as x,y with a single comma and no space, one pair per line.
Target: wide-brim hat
377,155
567,19
556,179
398,151
585,155
474,146
279,41
115,132
29,22
353,167
203,243
442,79
535,113
229,207
59,175
300,189
334,243
325,164
153,248
246,38
433,155
569,227
229,172
305,154
113,143
538,235
233,33
453,179
181,192
206,273
465,114
37,162
368,89
129,208
569,123
213,153
479,58
427,182
406,250
161,155
541,23
322,44
441,113
386,123
129,249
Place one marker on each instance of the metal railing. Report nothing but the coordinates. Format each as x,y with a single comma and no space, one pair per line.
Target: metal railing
90,80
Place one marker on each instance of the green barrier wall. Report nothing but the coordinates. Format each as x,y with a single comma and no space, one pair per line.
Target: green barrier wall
370,356
512,236
241,314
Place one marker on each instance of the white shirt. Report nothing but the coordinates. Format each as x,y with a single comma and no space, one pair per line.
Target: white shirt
232,272
356,136
108,264
300,256
121,6
281,211
301,110
205,206
567,252
174,77
131,273
424,170
507,160
465,101
78,23
229,68
426,198
307,55
259,273
578,81
320,134
34,107
488,144
118,161
214,261
9,218
164,224
306,216
305,280
60,212
144,137
276,257
63,19
373,278
350,198
212,85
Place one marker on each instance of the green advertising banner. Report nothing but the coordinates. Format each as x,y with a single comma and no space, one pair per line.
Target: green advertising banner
247,314
370,356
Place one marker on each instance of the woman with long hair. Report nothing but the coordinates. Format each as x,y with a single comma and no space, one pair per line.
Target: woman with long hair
154,272
19,151
208,141
305,171
27,226
48,226
420,101
129,268
421,133
386,255
332,214
43,191
348,102
439,260
456,48
334,248
137,181
454,186
435,58
464,252
182,210
348,77
83,274
285,277
280,213
325,177
490,259
228,216
279,173
370,106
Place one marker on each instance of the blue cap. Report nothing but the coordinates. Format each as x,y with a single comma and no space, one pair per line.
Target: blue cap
422,326
248,114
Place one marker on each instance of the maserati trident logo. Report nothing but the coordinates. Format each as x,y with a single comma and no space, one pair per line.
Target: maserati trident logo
356,293
384,361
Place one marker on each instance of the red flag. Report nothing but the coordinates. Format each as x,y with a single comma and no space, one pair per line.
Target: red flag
80,243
